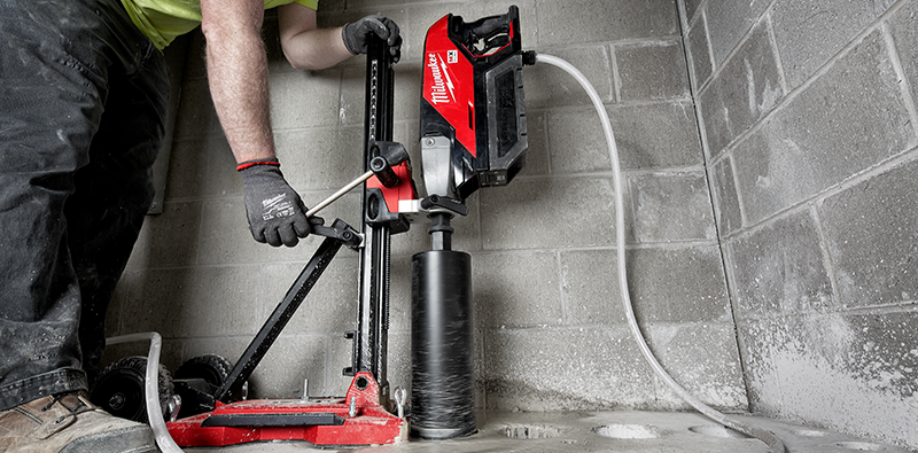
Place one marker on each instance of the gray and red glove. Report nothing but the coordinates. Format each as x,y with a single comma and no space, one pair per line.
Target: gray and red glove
276,213
355,35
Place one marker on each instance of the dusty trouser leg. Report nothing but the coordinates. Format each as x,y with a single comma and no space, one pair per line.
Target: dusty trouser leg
56,60
114,193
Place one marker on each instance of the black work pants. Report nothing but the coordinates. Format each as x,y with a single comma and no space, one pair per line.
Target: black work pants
83,98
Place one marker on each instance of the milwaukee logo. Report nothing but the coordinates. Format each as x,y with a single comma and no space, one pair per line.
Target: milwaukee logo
441,81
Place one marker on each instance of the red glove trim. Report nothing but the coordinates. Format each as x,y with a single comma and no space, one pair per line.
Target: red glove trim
253,163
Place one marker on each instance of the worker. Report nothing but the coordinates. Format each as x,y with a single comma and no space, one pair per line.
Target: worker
83,95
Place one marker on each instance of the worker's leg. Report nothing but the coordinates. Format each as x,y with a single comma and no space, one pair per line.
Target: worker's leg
114,193
63,63
55,66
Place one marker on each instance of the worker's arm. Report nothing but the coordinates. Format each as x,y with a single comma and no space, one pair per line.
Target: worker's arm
308,47
237,72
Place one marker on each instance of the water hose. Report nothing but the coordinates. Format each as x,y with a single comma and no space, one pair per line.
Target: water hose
151,388
775,445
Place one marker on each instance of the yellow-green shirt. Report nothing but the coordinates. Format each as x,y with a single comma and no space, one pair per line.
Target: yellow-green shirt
164,20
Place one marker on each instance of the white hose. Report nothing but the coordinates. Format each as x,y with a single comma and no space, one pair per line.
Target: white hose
151,388
774,443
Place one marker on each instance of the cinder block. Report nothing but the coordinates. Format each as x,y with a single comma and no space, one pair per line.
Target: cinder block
671,207
872,252
537,160
651,71
757,339
516,289
576,142
321,158
683,285
849,373
590,291
270,34
228,347
726,202
810,144
656,135
399,362
779,269
408,93
700,51
647,136
884,353
703,359
691,7
565,369
196,117
203,167
581,21
353,97
304,99
548,213
169,239
808,34
195,62
905,35
728,22
407,98
747,88
399,295
549,87
330,308
192,302
291,360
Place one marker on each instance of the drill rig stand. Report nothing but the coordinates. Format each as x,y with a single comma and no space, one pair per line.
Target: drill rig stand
366,415
473,135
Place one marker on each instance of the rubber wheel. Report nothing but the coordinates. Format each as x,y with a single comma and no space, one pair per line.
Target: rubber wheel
119,390
212,368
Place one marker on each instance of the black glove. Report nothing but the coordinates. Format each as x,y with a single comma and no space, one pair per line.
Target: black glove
355,35
276,213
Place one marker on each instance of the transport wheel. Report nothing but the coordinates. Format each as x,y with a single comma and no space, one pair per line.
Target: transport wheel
212,368
119,390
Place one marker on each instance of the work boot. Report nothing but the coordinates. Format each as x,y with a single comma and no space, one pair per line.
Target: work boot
69,423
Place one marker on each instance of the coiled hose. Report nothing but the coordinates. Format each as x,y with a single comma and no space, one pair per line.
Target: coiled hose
775,445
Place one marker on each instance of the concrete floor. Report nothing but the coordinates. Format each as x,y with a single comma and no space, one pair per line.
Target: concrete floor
654,432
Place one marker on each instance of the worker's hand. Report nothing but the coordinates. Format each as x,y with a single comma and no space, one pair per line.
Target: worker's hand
276,213
355,35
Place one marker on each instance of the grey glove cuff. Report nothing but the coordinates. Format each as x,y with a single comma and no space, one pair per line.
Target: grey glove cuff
275,211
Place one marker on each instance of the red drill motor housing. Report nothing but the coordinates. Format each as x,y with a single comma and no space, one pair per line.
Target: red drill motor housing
473,122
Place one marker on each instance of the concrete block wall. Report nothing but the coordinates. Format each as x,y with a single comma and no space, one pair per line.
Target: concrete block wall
550,331
808,117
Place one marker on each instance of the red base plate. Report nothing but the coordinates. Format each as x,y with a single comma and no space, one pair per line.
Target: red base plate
295,420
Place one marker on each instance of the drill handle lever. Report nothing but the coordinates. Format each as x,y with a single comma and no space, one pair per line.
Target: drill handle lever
339,230
385,156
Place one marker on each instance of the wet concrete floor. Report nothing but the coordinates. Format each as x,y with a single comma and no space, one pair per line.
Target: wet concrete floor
596,432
